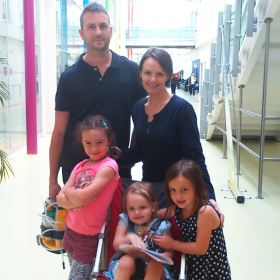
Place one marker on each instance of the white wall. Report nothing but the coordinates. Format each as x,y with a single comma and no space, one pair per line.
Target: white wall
207,26
48,62
207,20
202,53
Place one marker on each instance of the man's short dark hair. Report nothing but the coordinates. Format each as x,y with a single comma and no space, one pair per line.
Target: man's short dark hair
91,8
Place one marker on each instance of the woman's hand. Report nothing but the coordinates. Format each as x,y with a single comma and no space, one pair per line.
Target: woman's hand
116,153
165,242
218,209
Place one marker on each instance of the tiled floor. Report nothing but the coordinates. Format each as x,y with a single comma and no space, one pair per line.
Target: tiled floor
252,229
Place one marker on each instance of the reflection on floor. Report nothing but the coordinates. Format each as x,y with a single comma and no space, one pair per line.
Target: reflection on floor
251,229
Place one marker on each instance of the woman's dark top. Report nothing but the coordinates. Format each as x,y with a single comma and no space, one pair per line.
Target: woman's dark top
173,135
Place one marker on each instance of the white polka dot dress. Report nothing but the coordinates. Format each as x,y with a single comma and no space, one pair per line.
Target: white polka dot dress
212,265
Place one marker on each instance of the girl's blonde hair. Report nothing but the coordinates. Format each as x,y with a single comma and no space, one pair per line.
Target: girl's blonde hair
189,170
144,189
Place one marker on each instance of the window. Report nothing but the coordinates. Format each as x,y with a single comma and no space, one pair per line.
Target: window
6,11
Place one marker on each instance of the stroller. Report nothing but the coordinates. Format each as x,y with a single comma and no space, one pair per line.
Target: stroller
53,225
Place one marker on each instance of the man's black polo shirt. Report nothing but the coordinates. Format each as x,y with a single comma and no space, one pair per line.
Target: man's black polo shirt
82,91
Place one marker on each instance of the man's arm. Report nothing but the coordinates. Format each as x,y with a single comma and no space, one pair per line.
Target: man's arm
57,141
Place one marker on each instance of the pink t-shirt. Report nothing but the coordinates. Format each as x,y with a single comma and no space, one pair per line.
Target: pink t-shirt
89,218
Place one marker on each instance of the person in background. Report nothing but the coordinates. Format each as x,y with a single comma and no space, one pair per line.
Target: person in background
192,83
179,81
173,83
100,83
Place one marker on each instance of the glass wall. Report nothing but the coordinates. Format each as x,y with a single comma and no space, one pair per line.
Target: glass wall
69,44
231,38
244,12
176,21
12,73
243,21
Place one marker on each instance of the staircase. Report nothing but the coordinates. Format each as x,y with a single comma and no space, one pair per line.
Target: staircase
251,55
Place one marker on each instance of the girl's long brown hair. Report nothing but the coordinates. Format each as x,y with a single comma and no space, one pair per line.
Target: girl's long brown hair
189,170
94,122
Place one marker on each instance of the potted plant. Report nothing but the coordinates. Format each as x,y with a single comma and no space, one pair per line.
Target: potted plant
5,161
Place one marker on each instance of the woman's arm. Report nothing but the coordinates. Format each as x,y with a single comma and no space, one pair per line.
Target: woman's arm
122,237
131,155
190,142
192,148
62,199
84,196
205,223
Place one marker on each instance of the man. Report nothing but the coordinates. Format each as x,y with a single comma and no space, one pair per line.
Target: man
192,83
102,83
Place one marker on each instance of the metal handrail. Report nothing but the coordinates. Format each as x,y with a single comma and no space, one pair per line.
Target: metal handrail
272,118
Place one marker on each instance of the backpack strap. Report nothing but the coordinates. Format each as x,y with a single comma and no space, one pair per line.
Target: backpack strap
55,234
130,227
155,225
150,244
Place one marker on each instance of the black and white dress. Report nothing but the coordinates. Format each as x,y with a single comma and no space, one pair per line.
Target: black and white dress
214,264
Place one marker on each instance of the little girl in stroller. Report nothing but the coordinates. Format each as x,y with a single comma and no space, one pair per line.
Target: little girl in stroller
137,227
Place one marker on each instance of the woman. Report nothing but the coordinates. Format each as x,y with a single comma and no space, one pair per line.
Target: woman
165,125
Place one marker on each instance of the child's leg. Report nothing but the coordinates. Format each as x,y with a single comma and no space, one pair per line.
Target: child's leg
70,258
80,271
126,268
83,250
154,270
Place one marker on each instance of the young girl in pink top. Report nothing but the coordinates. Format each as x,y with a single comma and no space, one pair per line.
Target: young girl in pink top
88,194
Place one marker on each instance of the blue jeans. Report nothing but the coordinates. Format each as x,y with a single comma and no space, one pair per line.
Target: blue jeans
192,89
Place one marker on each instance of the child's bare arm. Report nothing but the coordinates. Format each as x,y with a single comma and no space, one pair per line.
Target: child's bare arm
162,212
204,229
168,252
86,195
62,199
122,237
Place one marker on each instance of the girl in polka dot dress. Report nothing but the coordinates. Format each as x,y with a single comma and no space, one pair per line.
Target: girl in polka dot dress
203,238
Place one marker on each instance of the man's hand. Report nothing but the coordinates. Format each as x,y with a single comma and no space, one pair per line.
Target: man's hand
116,153
165,242
218,209
54,189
